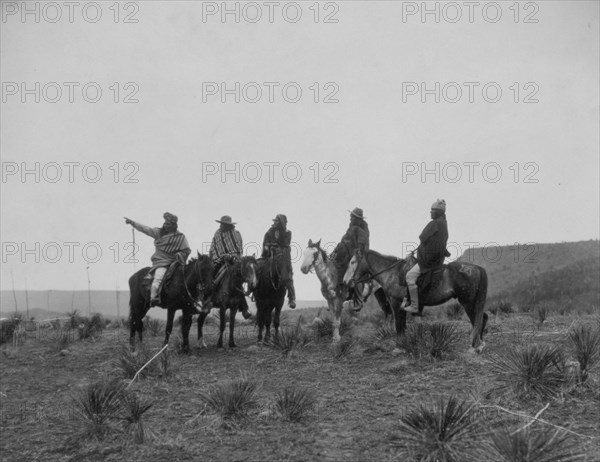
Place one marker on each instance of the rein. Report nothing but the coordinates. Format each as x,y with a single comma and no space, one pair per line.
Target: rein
372,275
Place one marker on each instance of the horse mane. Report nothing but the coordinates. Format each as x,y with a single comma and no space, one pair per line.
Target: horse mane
391,257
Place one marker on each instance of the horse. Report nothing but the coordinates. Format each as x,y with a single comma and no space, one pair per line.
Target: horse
464,281
230,295
315,257
186,290
270,292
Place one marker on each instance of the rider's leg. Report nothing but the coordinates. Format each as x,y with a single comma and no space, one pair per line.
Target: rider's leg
411,282
159,274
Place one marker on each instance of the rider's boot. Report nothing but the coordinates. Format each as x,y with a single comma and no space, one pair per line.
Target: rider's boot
291,293
414,299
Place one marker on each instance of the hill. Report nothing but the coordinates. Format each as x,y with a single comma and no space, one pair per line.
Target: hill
567,272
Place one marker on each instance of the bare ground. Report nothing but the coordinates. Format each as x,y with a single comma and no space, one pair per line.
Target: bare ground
360,397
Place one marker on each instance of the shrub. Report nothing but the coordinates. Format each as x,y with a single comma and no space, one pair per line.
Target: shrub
534,370
454,310
91,328
437,340
585,343
542,446
156,327
97,407
442,431
540,313
344,347
290,339
128,362
133,410
294,403
501,307
232,400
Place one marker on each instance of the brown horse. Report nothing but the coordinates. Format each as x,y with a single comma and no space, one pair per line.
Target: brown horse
314,257
270,292
466,282
230,295
186,290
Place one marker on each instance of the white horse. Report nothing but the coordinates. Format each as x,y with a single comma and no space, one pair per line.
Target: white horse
314,257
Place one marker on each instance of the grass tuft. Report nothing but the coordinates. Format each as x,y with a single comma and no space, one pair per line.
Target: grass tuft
344,347
232,400
134,408
542,446
531,371
442,431
585,343
294,403
290,339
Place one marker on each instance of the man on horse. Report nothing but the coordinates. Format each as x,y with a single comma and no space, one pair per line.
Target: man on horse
170,246
355,238
226,245
430,253
278,237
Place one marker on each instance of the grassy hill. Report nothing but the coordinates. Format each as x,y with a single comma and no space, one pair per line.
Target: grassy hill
562,273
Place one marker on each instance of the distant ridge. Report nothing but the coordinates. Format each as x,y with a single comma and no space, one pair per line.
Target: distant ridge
561,272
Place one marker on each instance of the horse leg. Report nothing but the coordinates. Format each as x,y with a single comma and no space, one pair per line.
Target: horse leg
186,324
259,321
201,318
221,327
276,320
268,324
337,316
232,313
169,328
399,317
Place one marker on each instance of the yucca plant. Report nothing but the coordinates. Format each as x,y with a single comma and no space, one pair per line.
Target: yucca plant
442,431
415,341
344,347
155,327
97,407
133,410
534,370
294,403
541,446
444,338
454,310
290,339
232,400
540,313
585,343
129,362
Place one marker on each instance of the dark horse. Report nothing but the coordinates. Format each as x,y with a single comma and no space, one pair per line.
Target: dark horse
270,292
185,290
466,282
230,295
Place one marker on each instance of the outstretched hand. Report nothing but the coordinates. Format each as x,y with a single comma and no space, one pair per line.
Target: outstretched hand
128,221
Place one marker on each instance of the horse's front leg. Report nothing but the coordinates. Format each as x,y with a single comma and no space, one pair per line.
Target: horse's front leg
186,324
232,313
201,318
399,316
169,328
337,318
276,320
222,321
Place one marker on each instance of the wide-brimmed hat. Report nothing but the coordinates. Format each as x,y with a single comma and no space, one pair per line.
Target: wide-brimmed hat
439,204
170,218
281,218
357,212
226,220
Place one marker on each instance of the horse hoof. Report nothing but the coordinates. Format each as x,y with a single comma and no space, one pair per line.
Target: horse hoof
232,345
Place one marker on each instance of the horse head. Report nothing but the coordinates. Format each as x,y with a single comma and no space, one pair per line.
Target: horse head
310,256
248,269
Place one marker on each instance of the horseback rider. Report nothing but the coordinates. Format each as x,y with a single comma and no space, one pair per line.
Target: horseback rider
279,237
170,246
355,238
430,253
226,245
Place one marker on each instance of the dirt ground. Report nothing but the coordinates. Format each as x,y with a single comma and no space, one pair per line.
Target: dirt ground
360,396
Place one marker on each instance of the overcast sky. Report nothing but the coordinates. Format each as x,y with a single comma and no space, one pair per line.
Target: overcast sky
514,134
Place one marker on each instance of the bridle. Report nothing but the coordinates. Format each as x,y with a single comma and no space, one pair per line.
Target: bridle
201,288
372,275
315,257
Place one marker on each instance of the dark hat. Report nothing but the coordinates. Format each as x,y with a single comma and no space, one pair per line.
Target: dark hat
226,220
357,212
170,218
281,218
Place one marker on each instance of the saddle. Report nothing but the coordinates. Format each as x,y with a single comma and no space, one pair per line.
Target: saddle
430,279
148,278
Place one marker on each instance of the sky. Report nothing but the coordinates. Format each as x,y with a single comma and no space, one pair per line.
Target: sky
132,109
